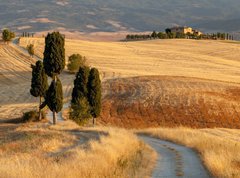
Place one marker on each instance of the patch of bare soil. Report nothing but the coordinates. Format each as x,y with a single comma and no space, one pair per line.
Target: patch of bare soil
140,102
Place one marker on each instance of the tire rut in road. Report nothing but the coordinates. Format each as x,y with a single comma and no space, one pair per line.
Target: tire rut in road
175,160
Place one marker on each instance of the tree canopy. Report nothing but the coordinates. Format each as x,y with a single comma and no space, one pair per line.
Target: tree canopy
54,54
30,49
39,84
94,92
80,84
7,35
76,61
80,108
54,96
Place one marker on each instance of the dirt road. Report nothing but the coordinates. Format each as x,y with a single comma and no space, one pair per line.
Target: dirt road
175,160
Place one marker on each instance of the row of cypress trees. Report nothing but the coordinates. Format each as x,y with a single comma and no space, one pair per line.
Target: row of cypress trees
87,85
86,95
53,64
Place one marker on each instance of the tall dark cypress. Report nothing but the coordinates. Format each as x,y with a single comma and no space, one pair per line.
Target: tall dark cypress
80,84
54,96
39,84
94,93
80,109
54,54
54,63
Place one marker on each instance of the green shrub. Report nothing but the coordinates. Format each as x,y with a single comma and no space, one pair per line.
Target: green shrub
32,116
80,112
30,49
76,61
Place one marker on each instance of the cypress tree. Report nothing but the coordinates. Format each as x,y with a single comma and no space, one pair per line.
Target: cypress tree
39,84
54,96
54,54
54,63
80,83
94,93
80,109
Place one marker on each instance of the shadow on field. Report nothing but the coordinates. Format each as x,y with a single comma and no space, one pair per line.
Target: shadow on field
83,138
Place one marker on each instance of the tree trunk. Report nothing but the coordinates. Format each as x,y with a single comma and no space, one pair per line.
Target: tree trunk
93,122
40,114
54,112
54,118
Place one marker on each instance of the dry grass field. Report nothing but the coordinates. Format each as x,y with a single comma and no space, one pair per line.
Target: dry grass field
150,83
15,78
154,101
218,148
40,150
145,84
15,82
164,82
214,60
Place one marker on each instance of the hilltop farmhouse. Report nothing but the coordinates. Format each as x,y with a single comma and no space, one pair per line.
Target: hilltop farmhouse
185,30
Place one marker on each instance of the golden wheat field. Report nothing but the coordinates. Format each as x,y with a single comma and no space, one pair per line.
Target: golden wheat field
15,82
164,82
145,84
150,83
213,60
40,150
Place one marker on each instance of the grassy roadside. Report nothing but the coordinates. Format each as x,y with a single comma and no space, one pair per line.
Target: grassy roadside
65,150
218,148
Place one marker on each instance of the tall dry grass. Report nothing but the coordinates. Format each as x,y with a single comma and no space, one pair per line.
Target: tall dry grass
117,153
218,148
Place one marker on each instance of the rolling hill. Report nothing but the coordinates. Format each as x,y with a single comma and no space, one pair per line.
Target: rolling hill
113,15
149,83
161,82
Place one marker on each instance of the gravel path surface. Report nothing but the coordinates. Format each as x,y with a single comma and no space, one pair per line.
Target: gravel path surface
175,160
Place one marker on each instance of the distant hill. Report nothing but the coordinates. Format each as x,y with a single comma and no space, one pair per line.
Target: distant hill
119,15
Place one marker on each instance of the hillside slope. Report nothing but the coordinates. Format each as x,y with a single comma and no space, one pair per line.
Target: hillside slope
215,60
151,83
155,101
164,82
15,83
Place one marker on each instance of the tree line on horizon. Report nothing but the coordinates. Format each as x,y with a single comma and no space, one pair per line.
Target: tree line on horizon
170,35
27,34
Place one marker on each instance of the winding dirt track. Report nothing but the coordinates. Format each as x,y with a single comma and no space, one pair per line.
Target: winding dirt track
175,160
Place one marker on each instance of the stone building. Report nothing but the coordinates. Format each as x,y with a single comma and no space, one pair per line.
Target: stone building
185,30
